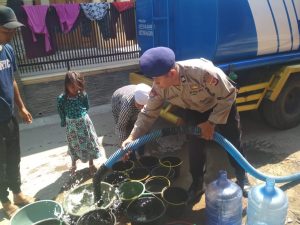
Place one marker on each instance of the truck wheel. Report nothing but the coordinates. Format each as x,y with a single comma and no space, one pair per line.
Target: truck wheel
284,113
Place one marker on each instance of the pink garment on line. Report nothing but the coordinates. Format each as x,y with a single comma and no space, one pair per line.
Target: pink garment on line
36,18
122,6
67,14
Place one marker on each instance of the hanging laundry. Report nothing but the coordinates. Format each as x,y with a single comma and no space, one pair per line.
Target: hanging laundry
104,26
98,12
123,6
85,25
36,48
67,14
114,16
16,6
36,19
95,11
126,9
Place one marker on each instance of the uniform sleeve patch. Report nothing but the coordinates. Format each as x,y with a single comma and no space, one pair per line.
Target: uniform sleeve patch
210,79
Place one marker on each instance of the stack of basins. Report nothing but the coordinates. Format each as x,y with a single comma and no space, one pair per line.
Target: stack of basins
139,192
145,189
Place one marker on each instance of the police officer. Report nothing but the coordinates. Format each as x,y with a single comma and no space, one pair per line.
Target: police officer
208,98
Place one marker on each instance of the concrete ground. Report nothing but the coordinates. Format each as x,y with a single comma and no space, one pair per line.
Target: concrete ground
45,163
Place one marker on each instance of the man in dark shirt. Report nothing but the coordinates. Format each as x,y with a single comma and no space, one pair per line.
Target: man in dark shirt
9,128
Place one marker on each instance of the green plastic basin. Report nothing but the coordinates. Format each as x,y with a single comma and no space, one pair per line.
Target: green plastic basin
131,190
37,212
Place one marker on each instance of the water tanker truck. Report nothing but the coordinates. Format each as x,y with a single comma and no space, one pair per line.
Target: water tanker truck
255,42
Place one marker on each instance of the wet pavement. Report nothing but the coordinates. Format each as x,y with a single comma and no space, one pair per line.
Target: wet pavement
45,163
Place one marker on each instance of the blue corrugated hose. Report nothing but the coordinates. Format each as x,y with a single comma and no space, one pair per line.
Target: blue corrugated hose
133,146
195,130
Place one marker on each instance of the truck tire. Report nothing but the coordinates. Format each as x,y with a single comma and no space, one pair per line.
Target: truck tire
284,112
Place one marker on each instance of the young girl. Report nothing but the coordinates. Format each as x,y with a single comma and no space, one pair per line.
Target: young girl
81,135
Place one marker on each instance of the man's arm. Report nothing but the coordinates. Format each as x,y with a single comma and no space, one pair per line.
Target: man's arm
26,116
146,117
217,83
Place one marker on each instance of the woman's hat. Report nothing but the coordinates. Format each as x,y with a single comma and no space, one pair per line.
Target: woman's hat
141,93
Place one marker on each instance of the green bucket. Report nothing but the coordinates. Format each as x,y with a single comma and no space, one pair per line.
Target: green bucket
176,199
123,166
38,212
138,174
116,178
172,162
97,217
131,190
155,185
146,210
81,199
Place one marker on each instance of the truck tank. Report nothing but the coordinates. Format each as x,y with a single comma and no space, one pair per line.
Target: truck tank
234,34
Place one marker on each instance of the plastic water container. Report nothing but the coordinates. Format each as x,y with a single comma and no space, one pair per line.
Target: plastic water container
223,202
267,205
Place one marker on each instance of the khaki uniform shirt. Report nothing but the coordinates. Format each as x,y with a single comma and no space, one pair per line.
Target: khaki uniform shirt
203,87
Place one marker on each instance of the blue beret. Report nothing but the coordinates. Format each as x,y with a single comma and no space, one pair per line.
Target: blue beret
157,61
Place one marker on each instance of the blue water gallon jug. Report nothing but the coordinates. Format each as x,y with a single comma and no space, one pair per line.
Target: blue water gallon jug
267,205
223,200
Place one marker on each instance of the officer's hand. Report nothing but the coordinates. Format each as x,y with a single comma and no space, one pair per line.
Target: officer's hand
207,130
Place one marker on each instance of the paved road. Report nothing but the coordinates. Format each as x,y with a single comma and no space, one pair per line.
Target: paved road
45,164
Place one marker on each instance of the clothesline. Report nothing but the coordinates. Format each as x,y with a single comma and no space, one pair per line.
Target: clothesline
70,15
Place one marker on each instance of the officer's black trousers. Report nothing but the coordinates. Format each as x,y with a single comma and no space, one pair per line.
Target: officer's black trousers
9,158
197,153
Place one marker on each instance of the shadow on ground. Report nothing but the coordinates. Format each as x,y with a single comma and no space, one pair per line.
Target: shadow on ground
64,183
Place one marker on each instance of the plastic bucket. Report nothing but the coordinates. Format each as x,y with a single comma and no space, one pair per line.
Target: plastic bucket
139,174
128,191
123,166
146,210
131,190
38,212
97,217
163,171
116,178
81,199
173,162
149,162
176,200
155,185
